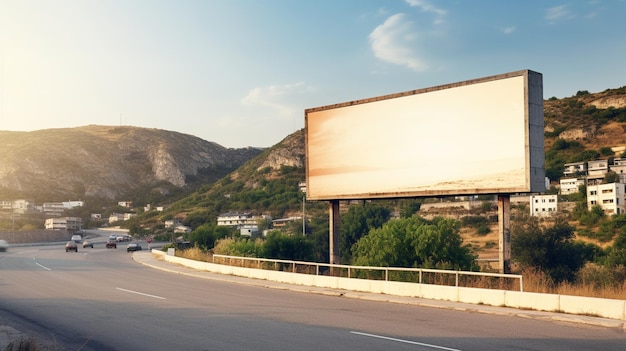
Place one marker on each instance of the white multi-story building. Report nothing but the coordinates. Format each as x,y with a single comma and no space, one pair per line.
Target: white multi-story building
597,167
53,208
610,197
596,171
64,223
237,219
543,205
570,185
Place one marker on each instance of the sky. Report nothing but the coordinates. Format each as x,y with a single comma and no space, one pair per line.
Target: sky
241,72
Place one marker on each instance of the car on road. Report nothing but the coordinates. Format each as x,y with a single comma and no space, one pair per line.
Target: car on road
111,244
121,238
77,238
112,237
3,245
87,244
71,246
133,247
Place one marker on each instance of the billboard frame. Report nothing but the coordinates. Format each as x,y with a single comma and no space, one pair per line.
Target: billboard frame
530,172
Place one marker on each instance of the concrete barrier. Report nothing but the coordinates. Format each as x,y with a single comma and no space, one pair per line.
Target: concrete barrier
591,306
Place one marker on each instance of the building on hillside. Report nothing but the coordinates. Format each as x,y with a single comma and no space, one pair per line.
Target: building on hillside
249,230
182,229
53,208
596,171
173,223
282,222
570,185
17,206
574,169
127,204
238,219
73,204
619,167
116,217
610,197
543,205
235,219
64,223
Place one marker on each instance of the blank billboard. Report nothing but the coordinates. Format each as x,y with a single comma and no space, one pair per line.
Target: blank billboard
483,136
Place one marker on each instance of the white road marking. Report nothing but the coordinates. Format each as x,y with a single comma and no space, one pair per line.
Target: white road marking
42,266
404,341
140,293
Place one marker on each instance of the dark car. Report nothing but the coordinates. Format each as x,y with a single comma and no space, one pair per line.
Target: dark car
3,245
87,244
133,247
111,244
71,246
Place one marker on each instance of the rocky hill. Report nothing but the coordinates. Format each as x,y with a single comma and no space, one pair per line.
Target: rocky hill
109,162
584,127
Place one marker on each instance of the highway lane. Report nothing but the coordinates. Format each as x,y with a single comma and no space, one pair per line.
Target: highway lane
100,299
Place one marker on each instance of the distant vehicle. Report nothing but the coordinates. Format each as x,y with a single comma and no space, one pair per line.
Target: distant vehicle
87,244
71,246
121,238
133,247
77,238
3,245
111,244
112,237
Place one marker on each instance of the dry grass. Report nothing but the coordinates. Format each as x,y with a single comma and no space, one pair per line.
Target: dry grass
535,281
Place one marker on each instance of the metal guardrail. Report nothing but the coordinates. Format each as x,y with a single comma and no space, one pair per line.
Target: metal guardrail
417,275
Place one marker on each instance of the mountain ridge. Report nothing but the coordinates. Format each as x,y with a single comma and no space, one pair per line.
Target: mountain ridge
109,161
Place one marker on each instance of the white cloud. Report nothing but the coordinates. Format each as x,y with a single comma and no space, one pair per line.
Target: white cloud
275,97
509,30
394,42
425,6
557,13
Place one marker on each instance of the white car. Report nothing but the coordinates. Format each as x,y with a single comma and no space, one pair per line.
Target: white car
77,238
3,245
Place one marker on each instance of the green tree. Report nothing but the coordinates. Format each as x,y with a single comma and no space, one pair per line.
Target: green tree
616,254
206,235
409,208
611,177
295,247
415,242
549,249
592,217
357,222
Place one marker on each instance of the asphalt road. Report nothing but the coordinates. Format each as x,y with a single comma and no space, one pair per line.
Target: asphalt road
101,299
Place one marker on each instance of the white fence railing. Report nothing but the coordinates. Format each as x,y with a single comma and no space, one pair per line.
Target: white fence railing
417,275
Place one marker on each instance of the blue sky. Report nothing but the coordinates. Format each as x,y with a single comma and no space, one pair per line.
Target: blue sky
241,72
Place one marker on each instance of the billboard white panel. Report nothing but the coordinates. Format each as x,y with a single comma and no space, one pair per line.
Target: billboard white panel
483,136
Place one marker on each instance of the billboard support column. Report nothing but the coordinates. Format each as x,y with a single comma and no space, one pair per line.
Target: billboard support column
504,226
334,232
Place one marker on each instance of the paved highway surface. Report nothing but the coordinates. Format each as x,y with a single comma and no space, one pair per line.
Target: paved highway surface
103,299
